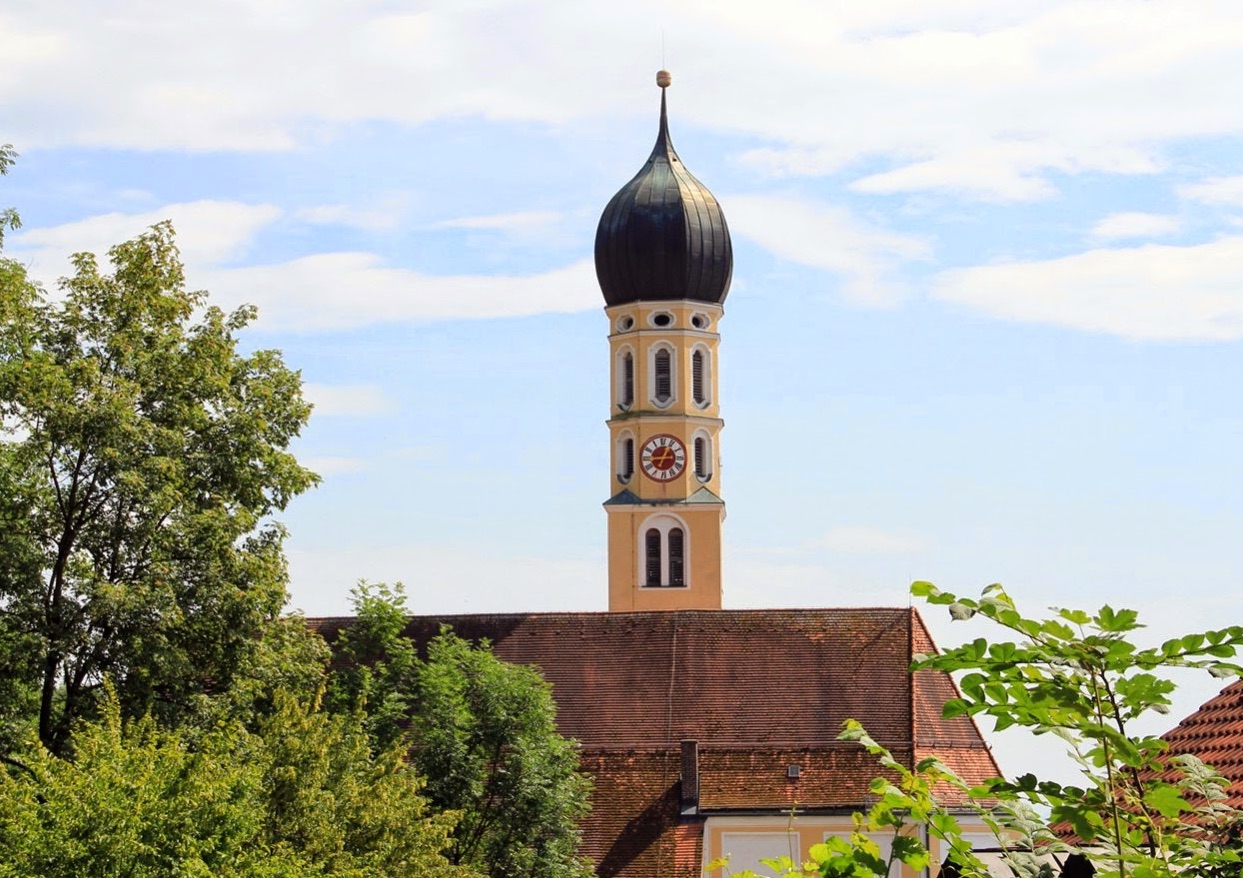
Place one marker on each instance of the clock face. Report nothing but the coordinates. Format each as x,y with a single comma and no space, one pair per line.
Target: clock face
663,457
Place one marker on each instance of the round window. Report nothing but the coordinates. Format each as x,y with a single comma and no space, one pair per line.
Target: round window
625,324
700,321
662,319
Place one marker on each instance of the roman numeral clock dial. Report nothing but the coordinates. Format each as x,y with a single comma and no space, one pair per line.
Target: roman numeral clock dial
663,457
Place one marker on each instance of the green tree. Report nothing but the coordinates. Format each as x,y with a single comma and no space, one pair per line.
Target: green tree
142,456
1138,812
303,797
375,667
8,216
480,730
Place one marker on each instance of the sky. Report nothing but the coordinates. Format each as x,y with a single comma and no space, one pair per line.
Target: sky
986,323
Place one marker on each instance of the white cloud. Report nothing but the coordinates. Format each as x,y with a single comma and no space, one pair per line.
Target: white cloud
323,291
332,400
208,233
870,541
831,238
1136,225
382,217
1215,190
1148,292
522,222
969,96
331,291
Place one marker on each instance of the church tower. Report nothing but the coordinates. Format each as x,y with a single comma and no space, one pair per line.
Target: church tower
664,262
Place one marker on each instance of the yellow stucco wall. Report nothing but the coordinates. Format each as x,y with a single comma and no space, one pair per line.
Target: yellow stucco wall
703,588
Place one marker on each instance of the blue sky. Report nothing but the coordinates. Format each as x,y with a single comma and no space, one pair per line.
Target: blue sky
987,310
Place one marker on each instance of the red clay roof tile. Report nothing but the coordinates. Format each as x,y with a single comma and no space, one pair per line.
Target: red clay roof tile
1214,733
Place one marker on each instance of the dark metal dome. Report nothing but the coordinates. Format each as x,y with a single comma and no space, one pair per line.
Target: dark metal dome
663,236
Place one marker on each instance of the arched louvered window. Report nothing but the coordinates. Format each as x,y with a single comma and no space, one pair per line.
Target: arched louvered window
652,541
627,461
627,388
677,557
664,559
663,365
699,389
702,470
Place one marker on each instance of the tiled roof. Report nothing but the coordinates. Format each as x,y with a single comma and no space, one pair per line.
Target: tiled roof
956,741
633,829
760,690
1214,733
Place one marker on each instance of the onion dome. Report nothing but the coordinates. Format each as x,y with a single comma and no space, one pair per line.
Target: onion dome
663,236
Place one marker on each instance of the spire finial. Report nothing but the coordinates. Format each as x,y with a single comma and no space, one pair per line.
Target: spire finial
663,78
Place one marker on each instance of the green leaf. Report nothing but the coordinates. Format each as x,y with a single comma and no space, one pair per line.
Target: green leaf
911,852
1166,799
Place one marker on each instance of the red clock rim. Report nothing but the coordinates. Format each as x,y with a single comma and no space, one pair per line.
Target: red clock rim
671,470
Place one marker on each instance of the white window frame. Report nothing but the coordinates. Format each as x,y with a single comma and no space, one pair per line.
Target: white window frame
673,374
709,455
619,456
707,375
619,378
664,522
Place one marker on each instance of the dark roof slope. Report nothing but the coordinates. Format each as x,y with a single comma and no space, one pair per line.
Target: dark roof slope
778,678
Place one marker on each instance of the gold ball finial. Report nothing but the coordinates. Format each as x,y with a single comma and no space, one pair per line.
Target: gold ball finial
663,78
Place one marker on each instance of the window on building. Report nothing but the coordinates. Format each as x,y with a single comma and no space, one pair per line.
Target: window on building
703,457
626,465
664,558
627,388
677,557
663,366
699,390
652,541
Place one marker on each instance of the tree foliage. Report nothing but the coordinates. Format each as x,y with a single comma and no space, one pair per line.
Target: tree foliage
158,716
482,731
8,216
141,456
1139,811
303,797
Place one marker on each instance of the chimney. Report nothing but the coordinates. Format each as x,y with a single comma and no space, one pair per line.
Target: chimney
690,777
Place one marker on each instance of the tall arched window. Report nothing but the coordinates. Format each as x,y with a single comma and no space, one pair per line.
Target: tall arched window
703,463
627,388
652,541
699,368
677,557
663,561
663,368
627,458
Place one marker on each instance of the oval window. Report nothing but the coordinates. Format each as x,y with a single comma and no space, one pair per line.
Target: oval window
662,319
